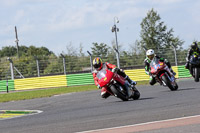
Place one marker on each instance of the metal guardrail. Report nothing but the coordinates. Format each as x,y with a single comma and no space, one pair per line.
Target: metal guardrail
76,79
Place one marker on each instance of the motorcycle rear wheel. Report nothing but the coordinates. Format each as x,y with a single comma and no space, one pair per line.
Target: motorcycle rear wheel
117,92
168,83
196,74
136,94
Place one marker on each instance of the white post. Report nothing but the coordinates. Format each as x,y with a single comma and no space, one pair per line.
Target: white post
11,68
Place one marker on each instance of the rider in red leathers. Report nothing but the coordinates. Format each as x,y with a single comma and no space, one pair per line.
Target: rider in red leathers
98,65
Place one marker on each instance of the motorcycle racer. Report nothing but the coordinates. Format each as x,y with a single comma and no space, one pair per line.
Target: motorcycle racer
150,55
98,65
193,50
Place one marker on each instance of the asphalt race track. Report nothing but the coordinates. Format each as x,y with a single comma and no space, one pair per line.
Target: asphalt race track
78,112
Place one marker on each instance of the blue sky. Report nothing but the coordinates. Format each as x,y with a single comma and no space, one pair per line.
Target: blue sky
57,23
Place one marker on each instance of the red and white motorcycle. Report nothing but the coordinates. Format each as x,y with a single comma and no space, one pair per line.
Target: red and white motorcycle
161,72
115,85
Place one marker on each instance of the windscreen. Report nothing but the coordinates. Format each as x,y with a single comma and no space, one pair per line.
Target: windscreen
101,74
154,62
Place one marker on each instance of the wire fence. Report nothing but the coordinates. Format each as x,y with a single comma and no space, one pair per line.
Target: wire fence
43,66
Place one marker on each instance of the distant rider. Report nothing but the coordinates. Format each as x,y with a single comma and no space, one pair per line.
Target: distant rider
194,49
150,55
98,65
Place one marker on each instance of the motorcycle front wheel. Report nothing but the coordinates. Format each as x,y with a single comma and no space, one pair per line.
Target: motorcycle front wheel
168,83
118,93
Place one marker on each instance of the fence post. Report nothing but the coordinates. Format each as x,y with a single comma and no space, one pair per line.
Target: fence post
90,61
117,56
7,84
38,67
64,63
11,68
175,55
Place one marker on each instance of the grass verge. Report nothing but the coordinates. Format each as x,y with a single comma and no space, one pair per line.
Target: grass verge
39,93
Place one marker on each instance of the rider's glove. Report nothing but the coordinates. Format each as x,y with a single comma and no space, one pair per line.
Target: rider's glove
161,60
98,86
115,69
121,70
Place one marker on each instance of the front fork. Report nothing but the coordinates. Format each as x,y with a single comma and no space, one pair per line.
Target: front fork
171,78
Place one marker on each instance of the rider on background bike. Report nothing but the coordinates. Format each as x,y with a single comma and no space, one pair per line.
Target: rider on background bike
150,55
98,65
193,50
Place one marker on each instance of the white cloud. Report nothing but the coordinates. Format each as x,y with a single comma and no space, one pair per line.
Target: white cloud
7,42
6,29
44,17
164,2
26,28
19,15
194,12
9,2
62,20
92,14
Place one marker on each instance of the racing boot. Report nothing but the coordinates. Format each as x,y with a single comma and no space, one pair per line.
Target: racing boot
187,65
130,81
128,89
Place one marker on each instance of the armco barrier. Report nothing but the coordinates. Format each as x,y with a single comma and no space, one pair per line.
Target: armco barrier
140,75
77,79
137,74
3,86
183,73
175,69
40,82
80,79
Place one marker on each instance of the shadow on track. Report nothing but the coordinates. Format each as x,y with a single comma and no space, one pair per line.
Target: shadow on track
181,89
184,89
147,98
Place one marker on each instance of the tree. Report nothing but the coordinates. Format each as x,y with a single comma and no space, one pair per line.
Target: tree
154,33
100,50
81,54
42,51
8,51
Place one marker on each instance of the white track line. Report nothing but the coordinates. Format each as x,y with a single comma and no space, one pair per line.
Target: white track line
140,124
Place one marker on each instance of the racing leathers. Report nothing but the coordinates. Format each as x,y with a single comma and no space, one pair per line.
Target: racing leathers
191,52
106,65
147,62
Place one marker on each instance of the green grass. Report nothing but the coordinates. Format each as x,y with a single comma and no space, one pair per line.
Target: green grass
39,93
31,94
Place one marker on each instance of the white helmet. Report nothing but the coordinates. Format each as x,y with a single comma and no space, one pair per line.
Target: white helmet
150,54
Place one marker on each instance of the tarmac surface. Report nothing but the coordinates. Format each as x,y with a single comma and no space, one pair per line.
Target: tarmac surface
159,110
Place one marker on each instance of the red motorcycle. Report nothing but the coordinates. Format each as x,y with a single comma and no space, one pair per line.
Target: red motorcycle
161,72
115,85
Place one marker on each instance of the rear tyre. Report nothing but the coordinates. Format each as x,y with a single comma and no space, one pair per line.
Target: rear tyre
196,74
136,94
168,83
175,87
118,93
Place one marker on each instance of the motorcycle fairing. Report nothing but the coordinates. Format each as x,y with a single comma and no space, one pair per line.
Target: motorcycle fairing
119,78
104,77
195,60
161,68
155,65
